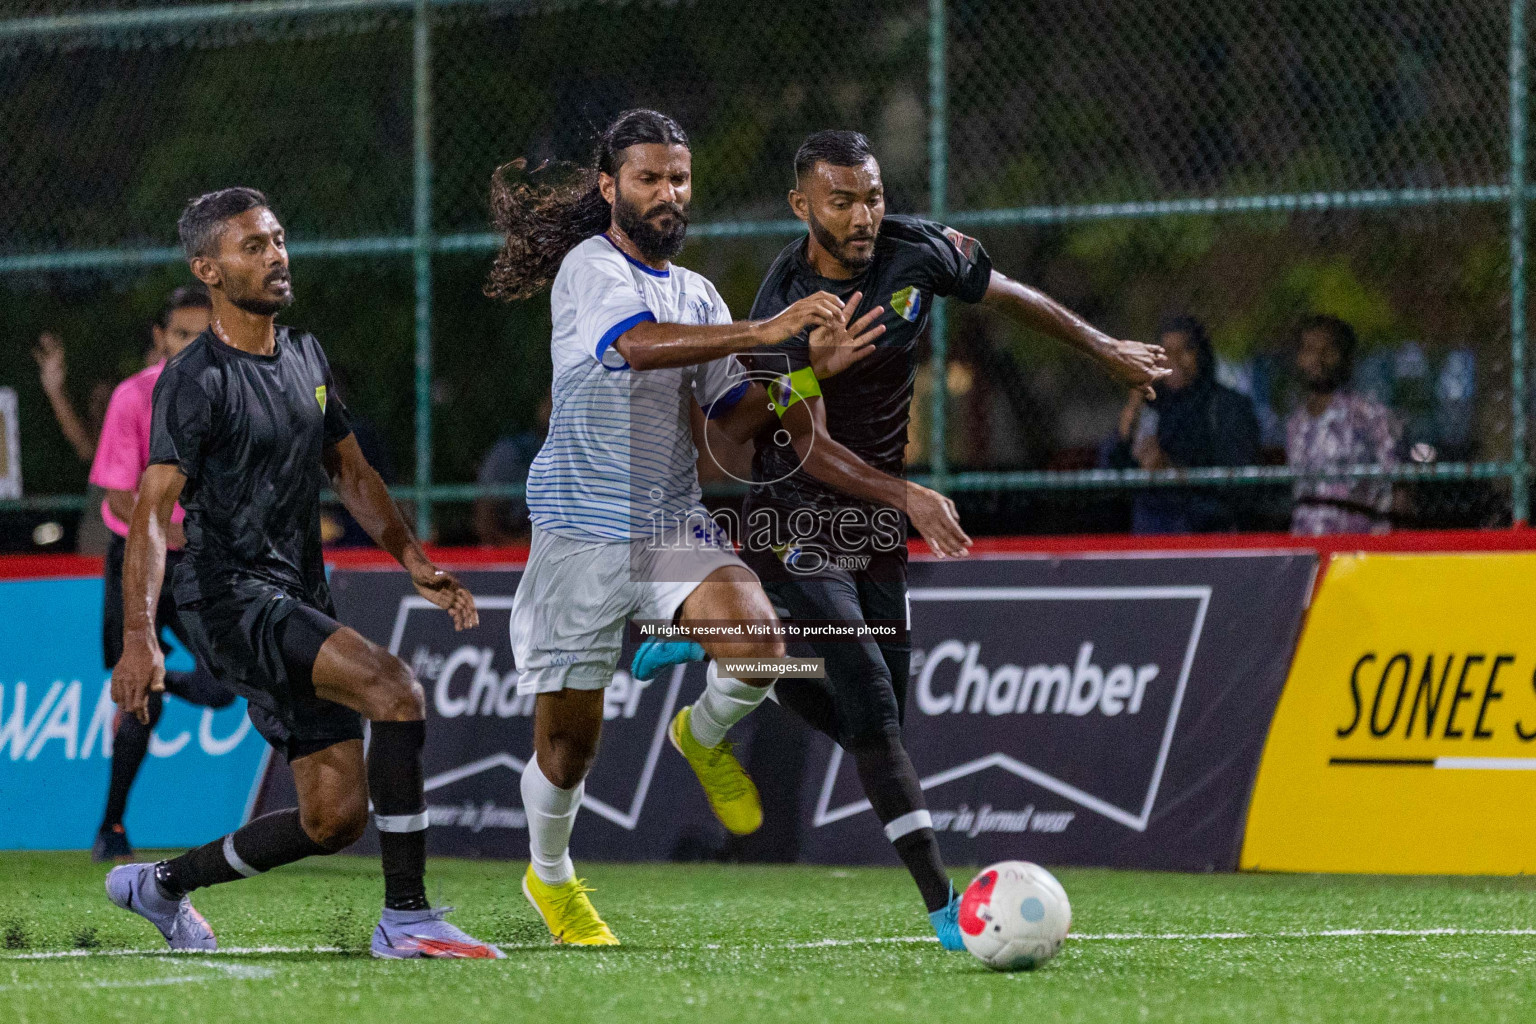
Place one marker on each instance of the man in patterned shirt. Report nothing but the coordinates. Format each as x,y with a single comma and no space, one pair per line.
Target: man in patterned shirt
1333,428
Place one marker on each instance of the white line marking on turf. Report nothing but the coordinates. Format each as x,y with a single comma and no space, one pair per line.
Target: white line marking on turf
231,951
175,979
230,970
220,971
823,943
1330,933
1336,933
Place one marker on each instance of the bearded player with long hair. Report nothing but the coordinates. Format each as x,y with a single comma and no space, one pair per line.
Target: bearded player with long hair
619,530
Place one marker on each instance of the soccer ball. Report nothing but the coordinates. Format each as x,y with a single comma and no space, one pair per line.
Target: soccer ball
1014,916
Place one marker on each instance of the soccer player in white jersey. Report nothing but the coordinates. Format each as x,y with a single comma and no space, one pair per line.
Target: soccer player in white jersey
619,531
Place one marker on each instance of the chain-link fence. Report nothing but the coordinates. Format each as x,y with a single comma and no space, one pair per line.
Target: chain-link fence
1247,163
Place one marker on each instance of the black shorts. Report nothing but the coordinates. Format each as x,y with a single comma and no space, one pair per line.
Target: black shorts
264,642
198,686
864,695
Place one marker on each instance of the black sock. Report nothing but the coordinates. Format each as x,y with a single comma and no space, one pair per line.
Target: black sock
919,851
400,810
129,746
891,784
270,841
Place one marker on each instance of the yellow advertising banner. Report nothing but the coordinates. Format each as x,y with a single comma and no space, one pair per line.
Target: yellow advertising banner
1405,739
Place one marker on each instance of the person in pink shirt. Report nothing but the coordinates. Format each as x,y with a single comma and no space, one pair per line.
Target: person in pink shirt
122,453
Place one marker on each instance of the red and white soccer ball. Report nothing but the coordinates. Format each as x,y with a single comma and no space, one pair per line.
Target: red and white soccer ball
1014,916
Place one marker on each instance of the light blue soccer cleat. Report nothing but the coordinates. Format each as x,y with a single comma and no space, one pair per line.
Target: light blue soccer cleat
946,922
416,934
132,887
655,655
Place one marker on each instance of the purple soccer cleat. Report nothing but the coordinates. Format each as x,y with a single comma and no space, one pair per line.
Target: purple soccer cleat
132,887
412,934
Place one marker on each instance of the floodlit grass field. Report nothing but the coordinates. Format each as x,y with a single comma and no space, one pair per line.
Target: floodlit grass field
726,943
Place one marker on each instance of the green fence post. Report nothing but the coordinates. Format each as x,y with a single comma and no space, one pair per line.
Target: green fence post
938,180
422,237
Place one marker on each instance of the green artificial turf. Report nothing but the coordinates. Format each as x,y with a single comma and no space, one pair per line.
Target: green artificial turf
726,943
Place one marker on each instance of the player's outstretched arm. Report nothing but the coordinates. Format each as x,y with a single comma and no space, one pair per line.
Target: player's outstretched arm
656,346
363,492
1133,363
933,514
141,669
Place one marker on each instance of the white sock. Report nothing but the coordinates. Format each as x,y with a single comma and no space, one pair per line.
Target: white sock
725,702
551,813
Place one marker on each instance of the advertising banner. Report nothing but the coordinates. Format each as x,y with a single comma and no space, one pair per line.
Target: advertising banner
1082,710
642,802
56,728
1406,736
1093,710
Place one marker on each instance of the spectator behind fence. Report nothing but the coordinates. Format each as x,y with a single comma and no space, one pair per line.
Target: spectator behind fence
1334,427
1194,422
82,434
505,520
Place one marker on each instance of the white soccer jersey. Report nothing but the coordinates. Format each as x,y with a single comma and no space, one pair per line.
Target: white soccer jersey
620,452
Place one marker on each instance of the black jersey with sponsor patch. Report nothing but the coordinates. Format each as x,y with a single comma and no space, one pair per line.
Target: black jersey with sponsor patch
869,404
248,431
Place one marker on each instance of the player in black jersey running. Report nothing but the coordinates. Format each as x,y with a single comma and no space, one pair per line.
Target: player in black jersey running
823,527
244,420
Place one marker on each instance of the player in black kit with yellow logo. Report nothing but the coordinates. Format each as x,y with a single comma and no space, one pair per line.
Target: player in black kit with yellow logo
825,525
245,419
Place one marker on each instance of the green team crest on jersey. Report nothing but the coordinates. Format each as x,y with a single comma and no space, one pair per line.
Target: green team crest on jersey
320,396
907,302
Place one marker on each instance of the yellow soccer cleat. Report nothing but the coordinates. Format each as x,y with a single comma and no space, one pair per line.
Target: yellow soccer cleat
567,912
732,795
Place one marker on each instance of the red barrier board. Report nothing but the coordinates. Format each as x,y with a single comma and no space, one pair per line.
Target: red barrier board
1518,539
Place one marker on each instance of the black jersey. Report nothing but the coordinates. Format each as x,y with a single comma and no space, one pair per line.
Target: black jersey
248,431
869,404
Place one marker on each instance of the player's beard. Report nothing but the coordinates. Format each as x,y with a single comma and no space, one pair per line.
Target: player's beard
654,244
838,248
259,303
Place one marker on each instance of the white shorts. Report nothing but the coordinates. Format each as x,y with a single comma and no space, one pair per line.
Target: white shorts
575,596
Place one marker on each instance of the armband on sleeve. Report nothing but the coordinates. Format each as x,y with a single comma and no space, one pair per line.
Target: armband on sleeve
792,388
